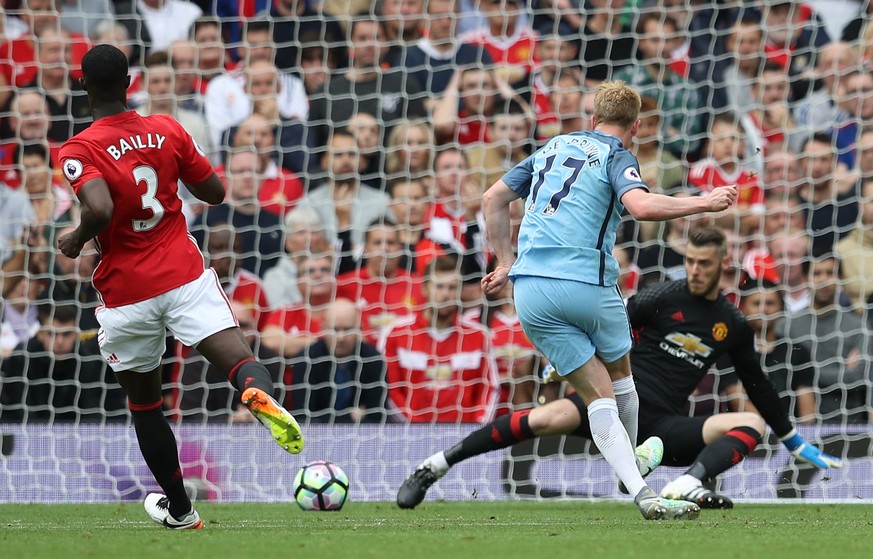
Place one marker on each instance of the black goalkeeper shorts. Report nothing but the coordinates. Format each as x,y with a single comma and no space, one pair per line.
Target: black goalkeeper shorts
682,435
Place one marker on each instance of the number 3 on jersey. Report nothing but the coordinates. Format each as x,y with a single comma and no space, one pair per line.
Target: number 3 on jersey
575,166
147,174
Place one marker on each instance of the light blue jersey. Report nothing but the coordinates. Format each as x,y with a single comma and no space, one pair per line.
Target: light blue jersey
572,188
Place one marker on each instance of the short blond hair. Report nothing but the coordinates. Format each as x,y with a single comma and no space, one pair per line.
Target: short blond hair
617,103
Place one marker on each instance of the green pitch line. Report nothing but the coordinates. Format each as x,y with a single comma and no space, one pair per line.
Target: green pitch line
475,530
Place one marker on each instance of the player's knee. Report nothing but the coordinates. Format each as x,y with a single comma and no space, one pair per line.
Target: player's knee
753,421
555,418
538,420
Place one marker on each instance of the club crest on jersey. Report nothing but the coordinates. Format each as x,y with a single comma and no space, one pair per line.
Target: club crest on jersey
719,331
632,174
72,169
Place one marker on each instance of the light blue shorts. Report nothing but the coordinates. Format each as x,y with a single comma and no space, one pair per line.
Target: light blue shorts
570,321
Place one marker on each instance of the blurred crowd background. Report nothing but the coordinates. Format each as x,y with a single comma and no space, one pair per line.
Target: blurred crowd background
356,139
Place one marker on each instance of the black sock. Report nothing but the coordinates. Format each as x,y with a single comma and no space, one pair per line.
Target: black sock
249,373
503,432
158,447
724,453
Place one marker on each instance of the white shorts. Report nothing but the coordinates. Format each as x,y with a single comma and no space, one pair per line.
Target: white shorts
132,337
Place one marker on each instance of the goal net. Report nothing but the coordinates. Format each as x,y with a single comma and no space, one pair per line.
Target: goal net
356,140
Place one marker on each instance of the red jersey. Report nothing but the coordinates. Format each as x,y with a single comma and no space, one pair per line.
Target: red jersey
782,55
18,63
426,250
439,377
280,189
706,174
510,345
445,226
146,249
548,124
295,319
471,129
772,136
381,301
518,50
247,289
10,171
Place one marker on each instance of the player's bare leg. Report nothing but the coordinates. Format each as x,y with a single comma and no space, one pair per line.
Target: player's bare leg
729,437
157,443
229,351
594,386
558,417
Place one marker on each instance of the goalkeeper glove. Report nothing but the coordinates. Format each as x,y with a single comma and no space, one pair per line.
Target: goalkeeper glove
805,452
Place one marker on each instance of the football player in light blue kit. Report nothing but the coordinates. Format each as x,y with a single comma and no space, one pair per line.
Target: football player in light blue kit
565,275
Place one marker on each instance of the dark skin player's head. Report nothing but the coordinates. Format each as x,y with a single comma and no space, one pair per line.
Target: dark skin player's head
105,80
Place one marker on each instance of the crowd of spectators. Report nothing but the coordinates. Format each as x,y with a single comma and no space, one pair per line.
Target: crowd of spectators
356,139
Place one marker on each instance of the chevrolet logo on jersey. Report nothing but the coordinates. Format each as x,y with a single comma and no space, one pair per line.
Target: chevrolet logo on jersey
687,347
691,343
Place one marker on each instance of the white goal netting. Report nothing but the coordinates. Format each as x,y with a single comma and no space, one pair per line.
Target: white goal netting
356,139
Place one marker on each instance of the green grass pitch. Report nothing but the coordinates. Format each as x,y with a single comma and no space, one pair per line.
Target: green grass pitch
475,530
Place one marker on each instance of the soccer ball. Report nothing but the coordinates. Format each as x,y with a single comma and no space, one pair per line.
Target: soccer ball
321,485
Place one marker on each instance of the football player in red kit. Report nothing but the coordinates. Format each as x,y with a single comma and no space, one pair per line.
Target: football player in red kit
151,277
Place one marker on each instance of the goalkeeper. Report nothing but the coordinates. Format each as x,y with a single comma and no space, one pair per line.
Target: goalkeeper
681,329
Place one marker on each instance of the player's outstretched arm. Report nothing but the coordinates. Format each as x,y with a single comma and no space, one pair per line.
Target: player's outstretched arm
210,191
648,206
765,397
495,203
97,208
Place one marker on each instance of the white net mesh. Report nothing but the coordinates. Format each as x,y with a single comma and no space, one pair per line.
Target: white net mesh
421,105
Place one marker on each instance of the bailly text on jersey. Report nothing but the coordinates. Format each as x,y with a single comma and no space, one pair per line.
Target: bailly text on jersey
140,141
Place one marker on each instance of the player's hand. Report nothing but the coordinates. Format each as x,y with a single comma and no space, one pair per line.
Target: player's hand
812,455
721,198
70,244
496,280
805,452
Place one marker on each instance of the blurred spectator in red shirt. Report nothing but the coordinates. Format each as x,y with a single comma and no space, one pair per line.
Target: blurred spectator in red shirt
223,251
514,354
508,39
440,367
290,329
280,188
410,206
724,165
18,61
212,60
382,289
67,102
29,123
